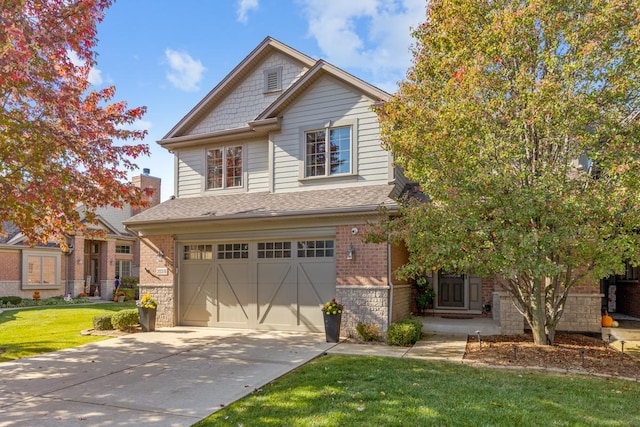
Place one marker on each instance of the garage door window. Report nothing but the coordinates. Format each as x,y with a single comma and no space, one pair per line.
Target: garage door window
198,252
233,251
315,248
274,250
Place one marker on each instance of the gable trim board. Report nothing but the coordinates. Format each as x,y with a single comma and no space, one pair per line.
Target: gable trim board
267,46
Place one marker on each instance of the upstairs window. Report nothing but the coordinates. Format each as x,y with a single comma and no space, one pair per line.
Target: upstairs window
224,167
328,151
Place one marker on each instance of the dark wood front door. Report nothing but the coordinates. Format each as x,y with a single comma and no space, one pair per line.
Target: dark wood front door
450,290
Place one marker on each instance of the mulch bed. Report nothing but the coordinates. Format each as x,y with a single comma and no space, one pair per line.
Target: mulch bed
566,355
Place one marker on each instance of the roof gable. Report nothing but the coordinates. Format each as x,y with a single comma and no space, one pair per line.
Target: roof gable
269,46
321,68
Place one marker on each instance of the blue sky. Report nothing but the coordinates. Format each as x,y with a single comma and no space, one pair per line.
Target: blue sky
168,54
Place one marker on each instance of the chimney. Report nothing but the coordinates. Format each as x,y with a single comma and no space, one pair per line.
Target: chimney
146,181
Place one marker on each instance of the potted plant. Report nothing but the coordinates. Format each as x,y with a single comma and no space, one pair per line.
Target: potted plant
147,312
332,311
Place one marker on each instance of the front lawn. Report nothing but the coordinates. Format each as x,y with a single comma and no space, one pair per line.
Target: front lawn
30,332
374,391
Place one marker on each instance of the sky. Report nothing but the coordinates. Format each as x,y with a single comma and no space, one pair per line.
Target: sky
168,54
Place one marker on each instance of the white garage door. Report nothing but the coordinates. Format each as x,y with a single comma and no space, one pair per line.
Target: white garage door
266,284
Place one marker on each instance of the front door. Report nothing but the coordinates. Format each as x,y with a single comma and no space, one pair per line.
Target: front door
450,290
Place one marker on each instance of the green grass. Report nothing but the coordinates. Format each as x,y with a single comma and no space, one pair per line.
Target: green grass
374,391
30,332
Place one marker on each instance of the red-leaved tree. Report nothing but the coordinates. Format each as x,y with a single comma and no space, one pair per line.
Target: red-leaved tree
61,143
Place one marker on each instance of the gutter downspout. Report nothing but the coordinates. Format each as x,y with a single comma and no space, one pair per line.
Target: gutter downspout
390,281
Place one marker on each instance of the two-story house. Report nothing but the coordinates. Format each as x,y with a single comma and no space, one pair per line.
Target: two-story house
278,169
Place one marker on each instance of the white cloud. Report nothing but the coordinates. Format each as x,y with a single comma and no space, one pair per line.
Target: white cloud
244,6
372,35
95,75
185,72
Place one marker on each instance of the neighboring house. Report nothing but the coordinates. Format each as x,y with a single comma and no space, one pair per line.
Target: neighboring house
278,171
90,265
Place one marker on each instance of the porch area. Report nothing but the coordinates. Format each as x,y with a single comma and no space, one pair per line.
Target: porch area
443,324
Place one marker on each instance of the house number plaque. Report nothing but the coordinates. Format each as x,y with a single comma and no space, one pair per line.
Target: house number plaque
162,271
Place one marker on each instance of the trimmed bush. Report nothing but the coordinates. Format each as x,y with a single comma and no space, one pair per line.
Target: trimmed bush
125,319
129,294
368,332
13,300
102,322
405,332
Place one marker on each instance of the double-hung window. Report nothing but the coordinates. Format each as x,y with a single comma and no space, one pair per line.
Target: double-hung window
328,151
224,167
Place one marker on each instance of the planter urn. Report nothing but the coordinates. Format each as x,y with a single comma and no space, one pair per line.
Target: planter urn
147,319
332,327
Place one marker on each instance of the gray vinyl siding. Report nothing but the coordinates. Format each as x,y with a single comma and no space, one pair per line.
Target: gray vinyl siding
257,163
326,100
248,99
192,169
190,172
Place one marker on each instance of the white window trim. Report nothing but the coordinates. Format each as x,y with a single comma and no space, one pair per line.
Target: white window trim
327,125
25,270
240,188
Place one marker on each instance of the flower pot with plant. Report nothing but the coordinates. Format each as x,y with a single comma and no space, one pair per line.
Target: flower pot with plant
147,312
118,296
332,311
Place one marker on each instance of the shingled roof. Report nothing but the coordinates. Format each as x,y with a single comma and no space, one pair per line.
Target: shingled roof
360,199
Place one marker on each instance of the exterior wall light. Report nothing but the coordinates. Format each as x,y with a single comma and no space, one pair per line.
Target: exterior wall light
351,253
160,256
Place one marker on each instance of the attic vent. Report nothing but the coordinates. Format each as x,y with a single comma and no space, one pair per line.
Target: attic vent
273,79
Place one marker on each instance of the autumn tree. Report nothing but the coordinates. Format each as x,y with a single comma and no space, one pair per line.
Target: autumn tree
519,120
61,143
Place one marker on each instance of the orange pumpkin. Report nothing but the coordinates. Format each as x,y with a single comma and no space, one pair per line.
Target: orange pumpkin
607,321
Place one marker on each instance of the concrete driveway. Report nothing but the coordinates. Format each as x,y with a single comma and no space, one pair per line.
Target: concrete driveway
171,377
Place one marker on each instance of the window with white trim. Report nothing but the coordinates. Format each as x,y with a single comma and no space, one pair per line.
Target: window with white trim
123,249
224,167
40,270
327,156
123,268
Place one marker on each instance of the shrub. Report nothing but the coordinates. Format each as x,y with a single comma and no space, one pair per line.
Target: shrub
102,322
125,319
13,300
129,294
405,332
368,332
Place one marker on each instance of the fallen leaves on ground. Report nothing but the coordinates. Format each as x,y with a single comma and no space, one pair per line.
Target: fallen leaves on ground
566,354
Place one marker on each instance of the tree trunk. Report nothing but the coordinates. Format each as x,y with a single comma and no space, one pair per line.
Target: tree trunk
538,327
